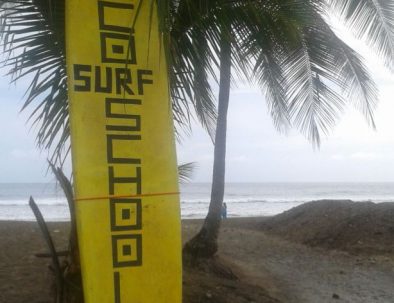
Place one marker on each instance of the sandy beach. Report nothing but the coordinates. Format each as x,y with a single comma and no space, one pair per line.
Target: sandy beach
318,252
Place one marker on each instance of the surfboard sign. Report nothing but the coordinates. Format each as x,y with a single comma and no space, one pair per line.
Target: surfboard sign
123,153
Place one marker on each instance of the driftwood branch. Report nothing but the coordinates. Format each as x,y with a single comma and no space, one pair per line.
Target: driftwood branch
68,191
51,247
68,281
62,253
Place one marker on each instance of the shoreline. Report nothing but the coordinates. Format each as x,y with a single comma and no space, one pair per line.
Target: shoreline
281,255
183,219
268,213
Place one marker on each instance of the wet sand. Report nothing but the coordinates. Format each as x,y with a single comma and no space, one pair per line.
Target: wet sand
271,267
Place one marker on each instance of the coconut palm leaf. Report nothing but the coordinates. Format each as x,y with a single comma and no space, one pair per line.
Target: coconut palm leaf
316,74
265,39
333,75
305,71
33,42
319,72
372,20
33,34
185,171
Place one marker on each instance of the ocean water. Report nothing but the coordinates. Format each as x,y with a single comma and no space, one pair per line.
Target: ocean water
243,199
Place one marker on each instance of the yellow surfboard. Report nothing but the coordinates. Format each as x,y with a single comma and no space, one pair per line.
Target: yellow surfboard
123,153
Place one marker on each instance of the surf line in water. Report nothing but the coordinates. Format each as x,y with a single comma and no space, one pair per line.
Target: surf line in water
125,163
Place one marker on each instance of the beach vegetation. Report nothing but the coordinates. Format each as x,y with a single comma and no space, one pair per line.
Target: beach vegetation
287,47
307,73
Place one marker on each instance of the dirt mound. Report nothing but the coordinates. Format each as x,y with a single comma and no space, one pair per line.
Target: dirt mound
218,281
356,227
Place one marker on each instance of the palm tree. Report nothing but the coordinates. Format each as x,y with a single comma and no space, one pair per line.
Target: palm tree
33,36
307,73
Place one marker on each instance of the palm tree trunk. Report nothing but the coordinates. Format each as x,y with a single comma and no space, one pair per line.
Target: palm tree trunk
204,244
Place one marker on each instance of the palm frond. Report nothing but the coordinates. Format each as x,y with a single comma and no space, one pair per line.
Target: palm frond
322,76
265,37
32,32
189,60
372,20
185,171
306,72
313,104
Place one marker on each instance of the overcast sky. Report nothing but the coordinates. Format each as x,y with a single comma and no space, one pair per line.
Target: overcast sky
353,152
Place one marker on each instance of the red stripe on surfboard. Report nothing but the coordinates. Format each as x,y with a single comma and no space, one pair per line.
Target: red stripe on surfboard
126,196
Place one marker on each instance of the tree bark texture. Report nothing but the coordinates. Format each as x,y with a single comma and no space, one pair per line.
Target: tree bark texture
204,244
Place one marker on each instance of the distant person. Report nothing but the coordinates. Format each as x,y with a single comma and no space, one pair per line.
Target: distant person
224,211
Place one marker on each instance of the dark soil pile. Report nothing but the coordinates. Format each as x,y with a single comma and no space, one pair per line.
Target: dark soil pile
218,281
356,227
24,278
